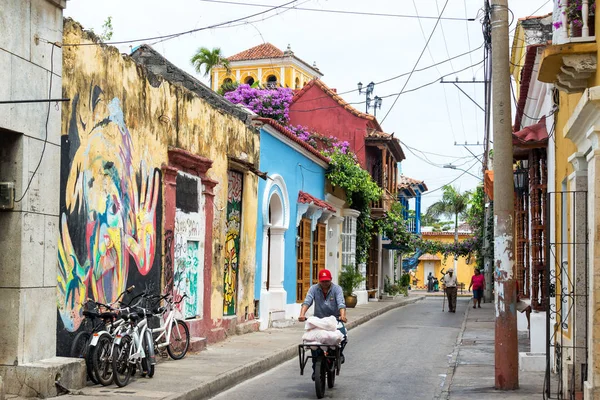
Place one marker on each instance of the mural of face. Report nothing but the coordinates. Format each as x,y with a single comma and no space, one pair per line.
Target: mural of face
111,198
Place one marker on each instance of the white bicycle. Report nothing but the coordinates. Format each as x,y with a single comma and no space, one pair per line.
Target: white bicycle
133,348
174,333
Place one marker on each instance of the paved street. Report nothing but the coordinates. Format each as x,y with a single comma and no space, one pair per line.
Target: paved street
403,355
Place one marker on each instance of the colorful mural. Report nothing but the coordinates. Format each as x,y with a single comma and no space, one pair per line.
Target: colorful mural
189,253
109,198
232,241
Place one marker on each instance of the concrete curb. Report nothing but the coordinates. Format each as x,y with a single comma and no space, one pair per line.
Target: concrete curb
243,373
453,360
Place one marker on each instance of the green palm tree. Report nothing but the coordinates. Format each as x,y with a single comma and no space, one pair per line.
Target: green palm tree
209,59
453,204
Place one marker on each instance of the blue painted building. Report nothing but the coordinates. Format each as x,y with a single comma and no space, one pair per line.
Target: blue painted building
292,222
408,189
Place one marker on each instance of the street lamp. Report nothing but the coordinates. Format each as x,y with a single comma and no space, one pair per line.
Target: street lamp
368,92
521,177
450,166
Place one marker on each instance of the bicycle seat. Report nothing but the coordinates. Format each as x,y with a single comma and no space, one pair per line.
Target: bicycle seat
91,314
134,317
108,315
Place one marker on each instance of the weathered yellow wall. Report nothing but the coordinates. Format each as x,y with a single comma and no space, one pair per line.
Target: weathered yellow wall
165,116
465,271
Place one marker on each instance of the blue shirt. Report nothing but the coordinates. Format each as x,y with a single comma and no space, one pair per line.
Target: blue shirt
325,306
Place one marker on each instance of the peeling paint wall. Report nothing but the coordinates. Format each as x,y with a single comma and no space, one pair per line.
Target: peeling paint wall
117,131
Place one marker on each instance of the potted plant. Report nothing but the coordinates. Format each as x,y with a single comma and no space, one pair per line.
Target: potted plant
349,280
573,10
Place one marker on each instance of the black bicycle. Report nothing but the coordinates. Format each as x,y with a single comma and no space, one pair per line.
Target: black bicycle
95,321
327,362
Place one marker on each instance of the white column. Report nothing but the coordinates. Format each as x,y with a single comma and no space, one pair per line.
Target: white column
282,77
578,183
334,259
215,80
259,75
237,75
277,293
592,385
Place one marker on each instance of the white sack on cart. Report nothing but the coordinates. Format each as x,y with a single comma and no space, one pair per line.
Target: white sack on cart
327,323
323,336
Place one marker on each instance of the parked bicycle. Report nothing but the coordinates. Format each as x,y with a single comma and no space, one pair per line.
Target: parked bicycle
174,334
95,321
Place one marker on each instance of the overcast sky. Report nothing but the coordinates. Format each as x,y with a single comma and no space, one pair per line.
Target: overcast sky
347,49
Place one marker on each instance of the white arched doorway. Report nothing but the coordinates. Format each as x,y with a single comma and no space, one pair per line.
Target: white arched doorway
275,210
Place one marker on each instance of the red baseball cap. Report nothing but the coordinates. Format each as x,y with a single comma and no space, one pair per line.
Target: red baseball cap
324,275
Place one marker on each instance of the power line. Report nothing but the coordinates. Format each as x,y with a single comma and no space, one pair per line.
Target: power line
437,80
452,181
401,75
174,35
438,70
45,126
417,63
372,14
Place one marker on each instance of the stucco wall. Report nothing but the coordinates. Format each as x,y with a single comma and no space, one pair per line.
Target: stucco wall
329,118
116,134
465,271
300,174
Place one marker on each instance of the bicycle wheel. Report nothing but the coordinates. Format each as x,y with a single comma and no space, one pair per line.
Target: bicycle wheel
102,361
79,345
320,369
179,340
330,373
147,366
120,361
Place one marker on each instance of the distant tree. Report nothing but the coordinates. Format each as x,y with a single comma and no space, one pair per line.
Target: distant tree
209,59
107,30
453,204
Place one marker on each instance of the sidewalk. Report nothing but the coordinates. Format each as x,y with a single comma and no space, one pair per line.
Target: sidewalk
227,363
471,370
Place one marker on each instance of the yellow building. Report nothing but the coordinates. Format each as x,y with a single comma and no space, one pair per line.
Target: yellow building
268,65
573,295
436,262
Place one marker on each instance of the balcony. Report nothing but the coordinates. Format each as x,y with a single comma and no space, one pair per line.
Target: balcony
572,58
411,223
383,205
565,32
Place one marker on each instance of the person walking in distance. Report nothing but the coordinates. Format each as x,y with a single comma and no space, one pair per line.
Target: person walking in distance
450,288
478,283
430,282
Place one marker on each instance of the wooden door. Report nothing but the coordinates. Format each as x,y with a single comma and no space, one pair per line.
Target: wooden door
303,260
319,246
373,264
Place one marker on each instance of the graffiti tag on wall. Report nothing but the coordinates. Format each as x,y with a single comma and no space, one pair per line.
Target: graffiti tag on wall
232,241
108,208
189,257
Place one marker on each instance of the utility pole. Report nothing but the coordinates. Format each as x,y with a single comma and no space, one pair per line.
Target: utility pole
506,347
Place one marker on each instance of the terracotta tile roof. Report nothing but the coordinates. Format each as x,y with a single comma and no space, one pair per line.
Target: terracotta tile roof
331,93
289,134
532,134
306,198
404,182
266,50
447,233
526,74
429,257
535,17
394,144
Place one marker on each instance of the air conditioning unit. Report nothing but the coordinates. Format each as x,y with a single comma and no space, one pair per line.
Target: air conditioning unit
7,195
